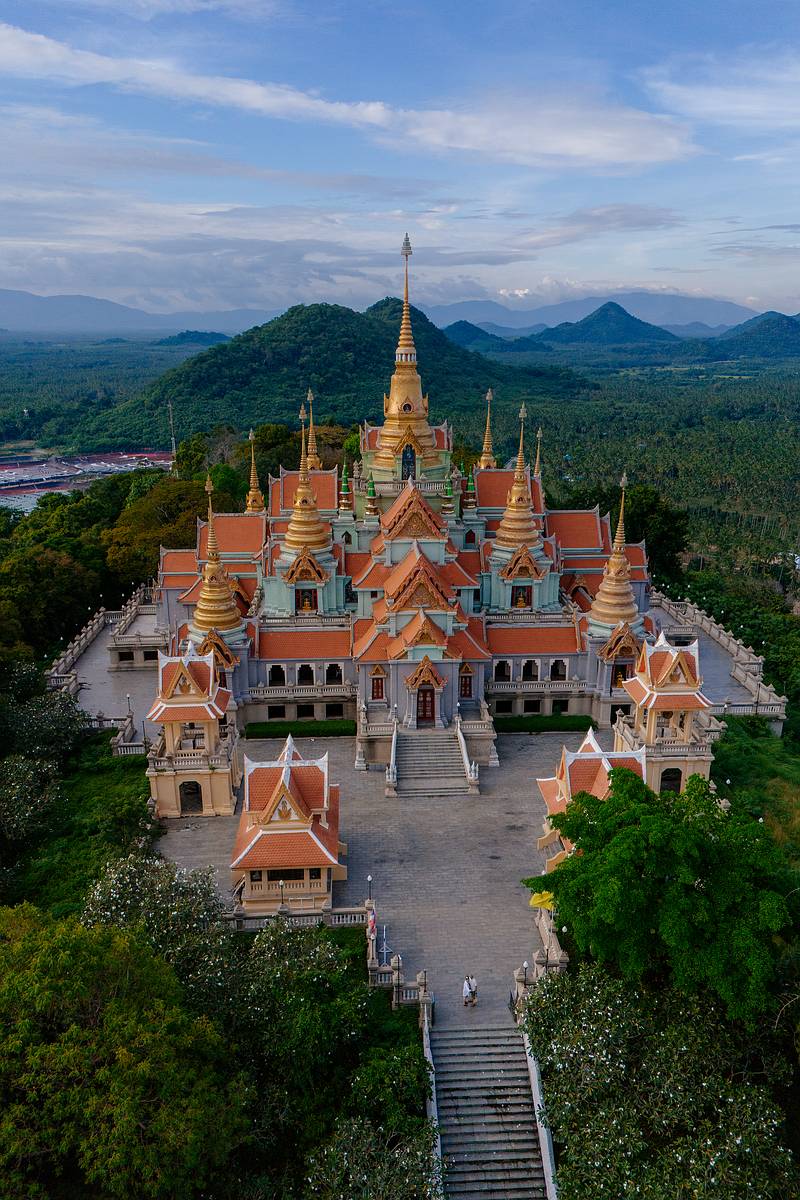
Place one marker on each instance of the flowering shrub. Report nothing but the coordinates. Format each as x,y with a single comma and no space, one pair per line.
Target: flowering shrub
358,1163
656,1095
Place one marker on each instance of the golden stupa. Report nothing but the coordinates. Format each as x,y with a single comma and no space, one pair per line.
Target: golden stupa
615,601
487,458
216,607
518,527
306,527
255,497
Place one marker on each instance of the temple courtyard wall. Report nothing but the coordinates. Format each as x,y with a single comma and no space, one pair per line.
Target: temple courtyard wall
446,872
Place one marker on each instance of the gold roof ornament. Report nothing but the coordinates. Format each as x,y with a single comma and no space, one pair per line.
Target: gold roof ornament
306,528
216,607
518,528
405,409
537,466
314,463
487,458
615,601
255,497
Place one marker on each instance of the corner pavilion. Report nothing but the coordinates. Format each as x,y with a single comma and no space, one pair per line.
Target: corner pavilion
403,589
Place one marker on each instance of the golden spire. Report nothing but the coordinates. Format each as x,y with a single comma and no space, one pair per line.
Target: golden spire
306,528
517,527
255,497
406,350
615,601
314,463
487,458
216,607
537,467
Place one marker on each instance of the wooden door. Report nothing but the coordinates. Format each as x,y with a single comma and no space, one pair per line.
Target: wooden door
425,706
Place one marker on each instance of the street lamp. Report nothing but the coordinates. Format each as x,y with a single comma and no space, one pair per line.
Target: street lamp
525,968
280,885
128,698
369,881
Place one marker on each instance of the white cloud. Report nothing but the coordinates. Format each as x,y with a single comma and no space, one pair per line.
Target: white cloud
759,91
527,130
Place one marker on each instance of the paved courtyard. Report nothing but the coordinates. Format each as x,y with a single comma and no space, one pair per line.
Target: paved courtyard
104,691
446,872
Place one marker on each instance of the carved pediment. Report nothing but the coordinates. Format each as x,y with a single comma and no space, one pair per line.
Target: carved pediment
183,685
425,675
427,633
522,565
306,569
224,658
413,519
623,643
422,590
282,810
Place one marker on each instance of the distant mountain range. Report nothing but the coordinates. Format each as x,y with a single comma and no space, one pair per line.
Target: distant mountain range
659,308
24,312
610,329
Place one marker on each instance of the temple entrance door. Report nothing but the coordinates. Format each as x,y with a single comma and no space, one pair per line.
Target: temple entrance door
191,797
409,463
425,706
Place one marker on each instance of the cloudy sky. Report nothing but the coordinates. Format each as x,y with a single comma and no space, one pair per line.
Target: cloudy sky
226,153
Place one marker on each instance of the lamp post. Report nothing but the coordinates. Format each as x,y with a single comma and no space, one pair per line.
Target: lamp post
280,885
369,882
128,698
525,969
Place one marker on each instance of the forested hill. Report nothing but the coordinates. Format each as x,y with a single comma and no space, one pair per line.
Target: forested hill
344,356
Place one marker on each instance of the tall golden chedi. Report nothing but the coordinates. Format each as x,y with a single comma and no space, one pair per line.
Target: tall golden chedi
306,529
406,445
216,607
615,602
255,497
312,458
487,459
518,528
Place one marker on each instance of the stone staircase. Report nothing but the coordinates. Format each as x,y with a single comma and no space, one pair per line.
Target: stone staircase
487,1120
429,763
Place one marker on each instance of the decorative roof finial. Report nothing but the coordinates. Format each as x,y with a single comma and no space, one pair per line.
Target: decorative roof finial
312,457
216,607
520,468
212,549
406,350
255,497
614,600
619,537
487,458
518,528
537,467
306,529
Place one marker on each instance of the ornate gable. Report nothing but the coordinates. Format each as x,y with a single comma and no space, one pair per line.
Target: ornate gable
422,589
182,684
425,675
427,633
623,642
411,517
282,809
224,658
306,569
522,564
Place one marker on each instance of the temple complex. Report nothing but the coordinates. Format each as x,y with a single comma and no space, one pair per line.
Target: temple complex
407,594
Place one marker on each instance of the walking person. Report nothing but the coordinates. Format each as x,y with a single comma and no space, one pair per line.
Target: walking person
473,988
466,991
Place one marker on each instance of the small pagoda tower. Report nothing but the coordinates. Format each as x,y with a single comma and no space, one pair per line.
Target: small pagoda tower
312,458
615,603
216,606
193,768
255,497
487,459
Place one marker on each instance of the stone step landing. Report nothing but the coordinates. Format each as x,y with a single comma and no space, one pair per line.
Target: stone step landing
429,763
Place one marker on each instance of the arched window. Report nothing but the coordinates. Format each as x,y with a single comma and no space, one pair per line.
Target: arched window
346,538
502,671
671,779
558,669
333,673
305,673
530,669
191,797
277,676
465,682
471,538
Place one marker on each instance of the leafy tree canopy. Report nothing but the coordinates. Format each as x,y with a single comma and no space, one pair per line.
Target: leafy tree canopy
672,887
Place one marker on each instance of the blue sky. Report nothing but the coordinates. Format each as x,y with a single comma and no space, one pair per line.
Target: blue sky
227,153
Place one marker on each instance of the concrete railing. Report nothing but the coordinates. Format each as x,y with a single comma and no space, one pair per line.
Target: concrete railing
431,1107
470,767
293,621
561,686
300,691
333,917
543,1129
391,769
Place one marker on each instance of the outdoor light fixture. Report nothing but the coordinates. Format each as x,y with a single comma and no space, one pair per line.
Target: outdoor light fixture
369,881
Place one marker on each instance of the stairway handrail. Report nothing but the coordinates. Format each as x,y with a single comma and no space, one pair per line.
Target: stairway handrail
431,1107
470,768
391,770
545,1137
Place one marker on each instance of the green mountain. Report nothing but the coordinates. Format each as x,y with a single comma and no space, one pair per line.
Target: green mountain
609,325
771,335
472,337
347,359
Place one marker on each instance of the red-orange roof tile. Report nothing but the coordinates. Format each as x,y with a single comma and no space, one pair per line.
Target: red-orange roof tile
303,643
578,528
522,639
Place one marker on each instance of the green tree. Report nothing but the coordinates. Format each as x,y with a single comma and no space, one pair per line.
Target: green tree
50,588
28,791
107,1087
358,1163
653,1094
671,886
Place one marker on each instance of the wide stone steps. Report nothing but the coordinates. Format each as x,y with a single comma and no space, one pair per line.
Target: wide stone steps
487,1122
429,763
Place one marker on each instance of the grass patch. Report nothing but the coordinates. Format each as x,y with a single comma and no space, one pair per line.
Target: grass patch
541,723
338,727
102,810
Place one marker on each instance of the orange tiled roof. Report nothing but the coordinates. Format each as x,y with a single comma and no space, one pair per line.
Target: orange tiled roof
324,485
269,850
177,582
492,488
470,560
303,643
178,562
579,528
355,563
237,533
531,639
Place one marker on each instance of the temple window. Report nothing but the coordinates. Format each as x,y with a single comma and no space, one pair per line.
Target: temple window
521,596
305,712
502,671
286,875
377,687
334,712
305,600
255,877
346,539
333,673
671,780
314,874
532,706
465,683
530,669
276,712
558,669
471,538
277,676
305,674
